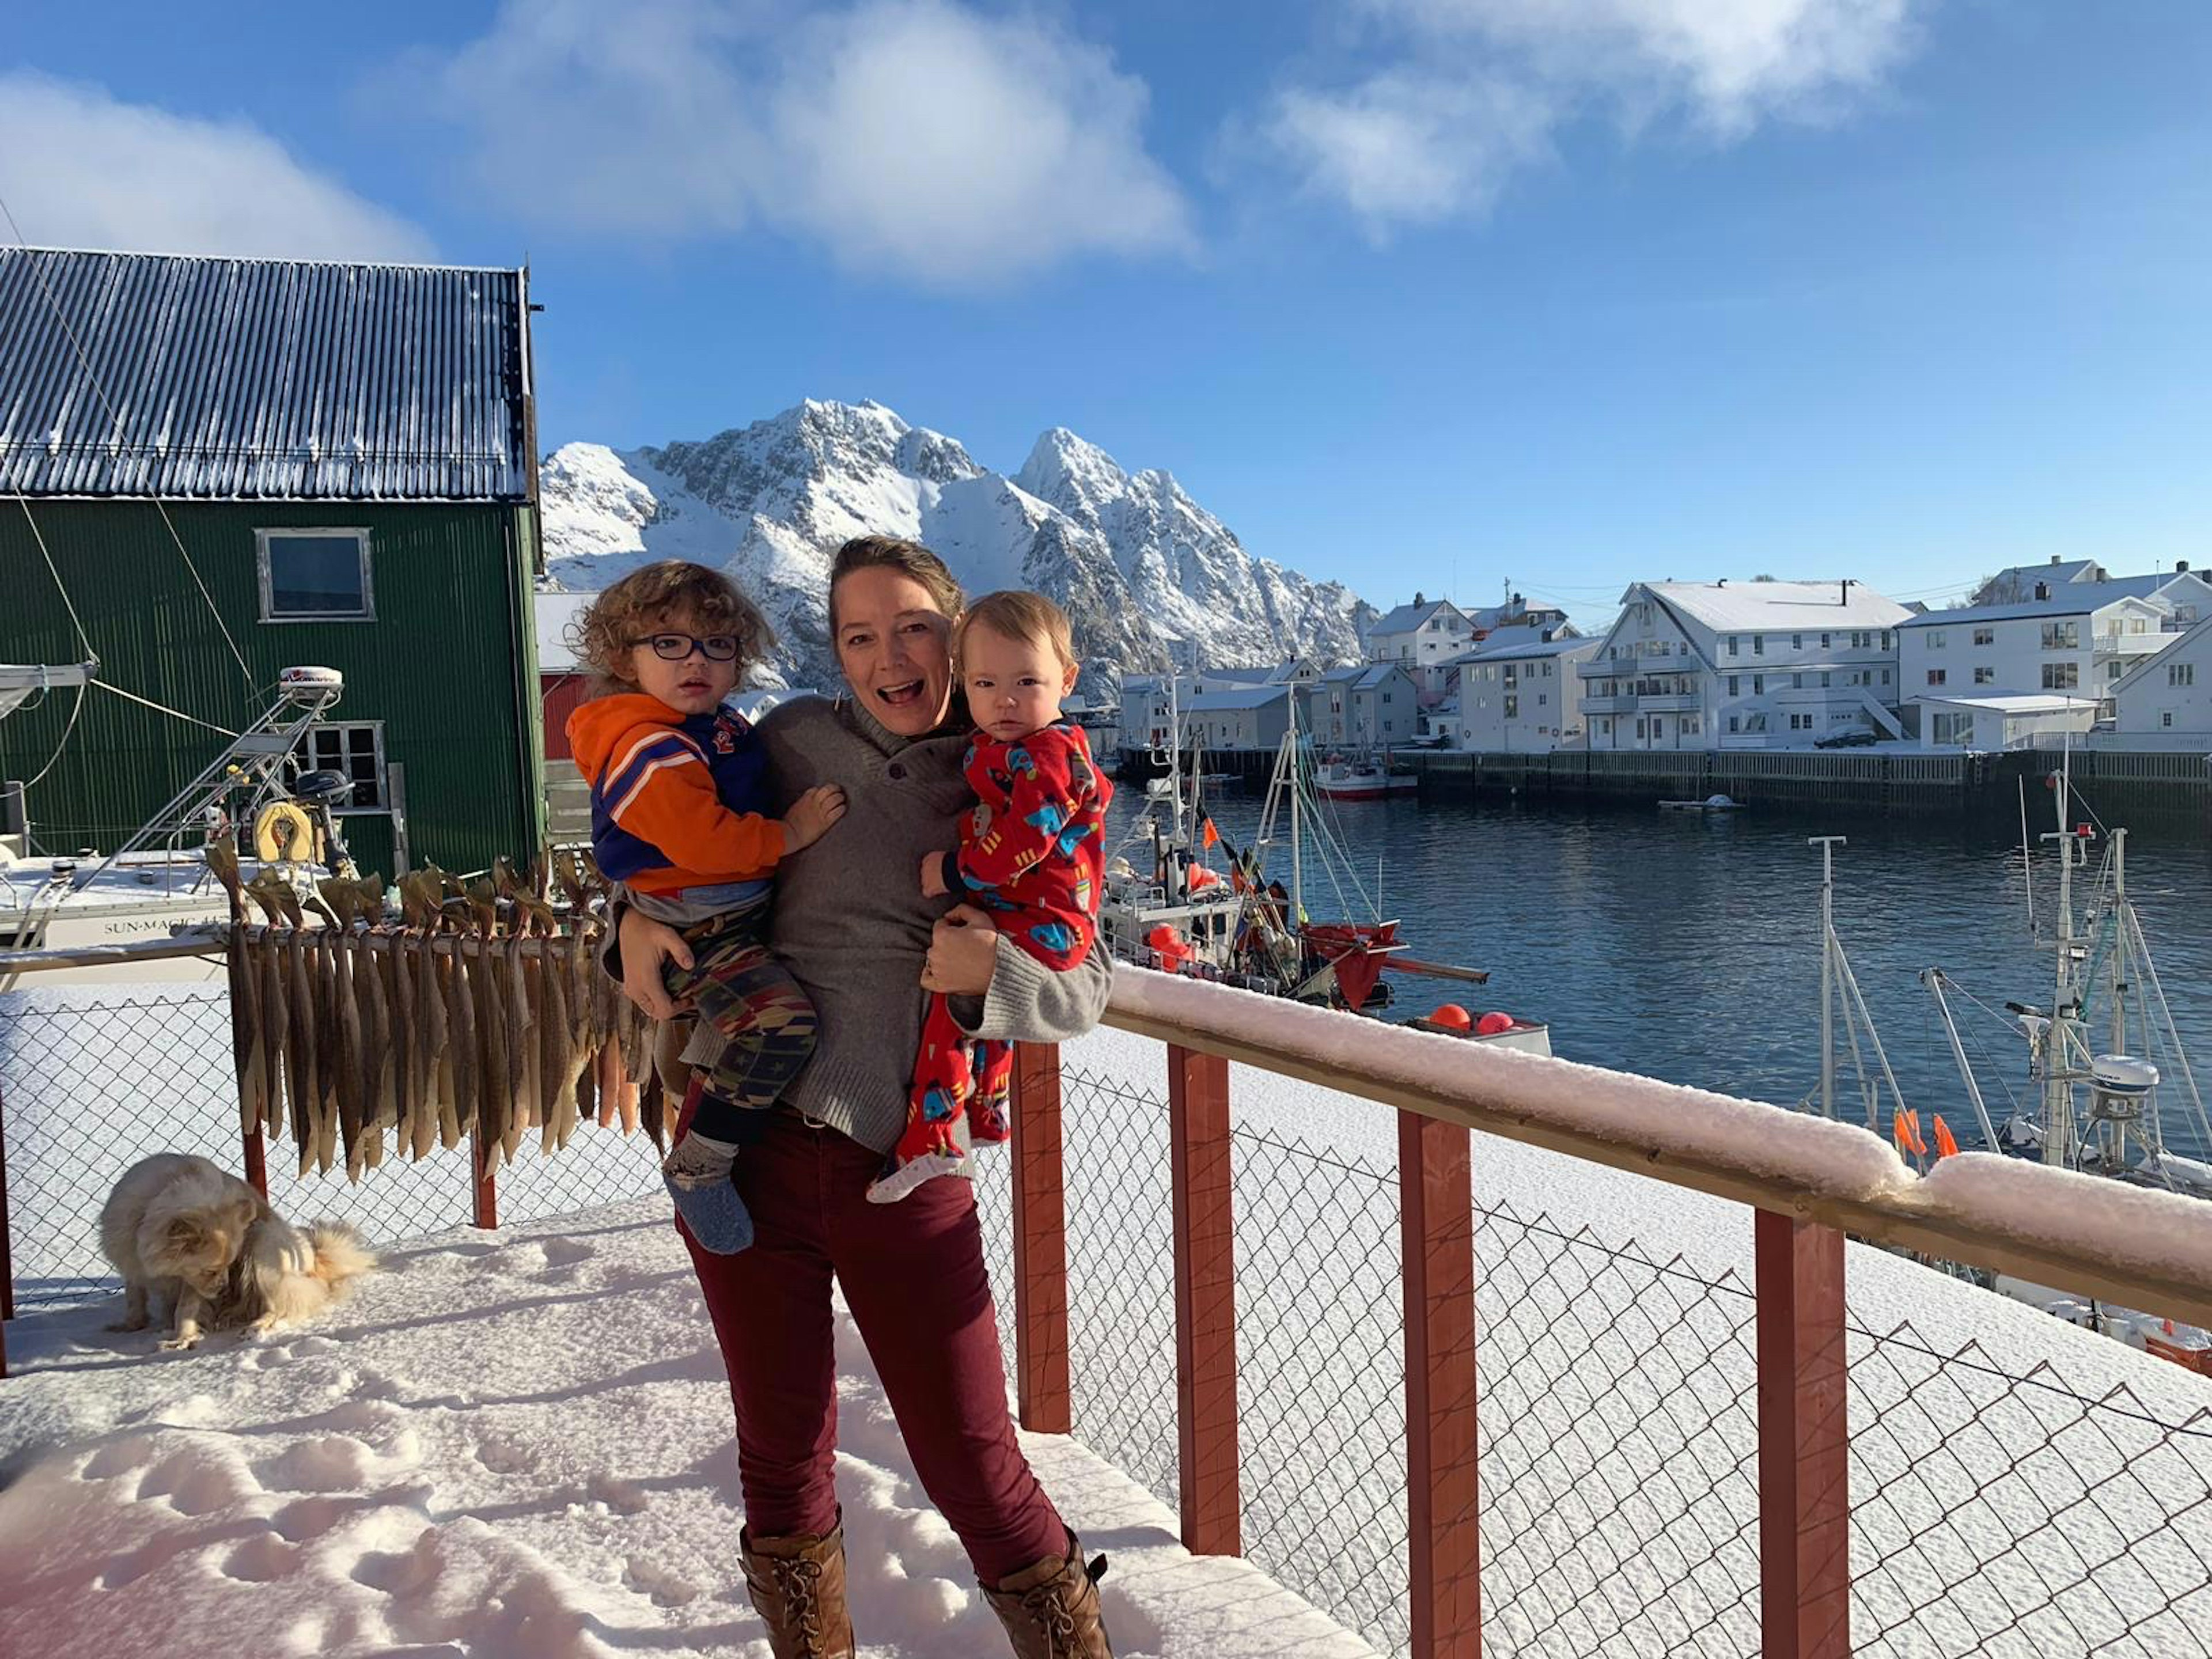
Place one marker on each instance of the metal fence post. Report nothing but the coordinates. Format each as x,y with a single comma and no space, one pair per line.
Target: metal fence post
1436,1224
1804,1441
1041,1386
7,1247
1206,1302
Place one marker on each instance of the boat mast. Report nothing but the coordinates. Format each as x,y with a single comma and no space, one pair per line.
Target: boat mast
2120,944
1827,844
2057,1078
1297,861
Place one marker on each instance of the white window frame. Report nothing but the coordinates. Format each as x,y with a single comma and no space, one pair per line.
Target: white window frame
358,534
375,730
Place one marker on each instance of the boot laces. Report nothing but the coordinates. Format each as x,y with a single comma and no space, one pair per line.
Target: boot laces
1046,1605
795,1583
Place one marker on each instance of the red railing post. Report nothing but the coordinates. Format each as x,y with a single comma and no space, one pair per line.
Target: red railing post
1206,1302
1804,1441
1436,1229
1040,1243
257,1162
483,1190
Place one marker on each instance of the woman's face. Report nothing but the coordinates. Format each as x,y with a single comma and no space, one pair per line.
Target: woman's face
896,648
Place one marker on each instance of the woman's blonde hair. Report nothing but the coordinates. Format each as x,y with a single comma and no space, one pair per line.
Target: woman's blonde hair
602,637
890,552
1015,613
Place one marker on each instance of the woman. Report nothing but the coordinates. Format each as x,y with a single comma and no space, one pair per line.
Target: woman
852,926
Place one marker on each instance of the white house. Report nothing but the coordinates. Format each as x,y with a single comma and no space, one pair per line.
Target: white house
1250,717
1517,612
1743,665
2079,637
1144,696
1520,696
2017,583
1368,706
2171,691
1420,634
2002,721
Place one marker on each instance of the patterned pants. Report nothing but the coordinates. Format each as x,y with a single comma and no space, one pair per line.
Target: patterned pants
765,1020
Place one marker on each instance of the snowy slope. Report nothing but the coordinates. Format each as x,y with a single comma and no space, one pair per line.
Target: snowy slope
1141,567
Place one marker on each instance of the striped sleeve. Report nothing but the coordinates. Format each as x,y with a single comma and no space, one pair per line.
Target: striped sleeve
660,788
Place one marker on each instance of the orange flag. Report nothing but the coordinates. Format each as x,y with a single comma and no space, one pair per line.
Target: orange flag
1897,1132
1947,1144
1912,1129
1209,835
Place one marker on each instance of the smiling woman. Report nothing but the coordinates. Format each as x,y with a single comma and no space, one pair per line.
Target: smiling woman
854,930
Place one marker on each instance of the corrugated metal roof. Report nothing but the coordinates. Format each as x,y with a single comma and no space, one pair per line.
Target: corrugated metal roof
145,374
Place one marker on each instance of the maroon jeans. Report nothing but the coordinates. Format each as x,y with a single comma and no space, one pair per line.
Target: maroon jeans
913,1276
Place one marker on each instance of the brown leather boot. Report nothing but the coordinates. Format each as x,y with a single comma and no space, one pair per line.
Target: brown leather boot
797,1588
1050,1610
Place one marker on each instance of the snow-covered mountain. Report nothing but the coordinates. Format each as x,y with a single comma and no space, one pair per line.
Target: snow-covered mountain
1141,569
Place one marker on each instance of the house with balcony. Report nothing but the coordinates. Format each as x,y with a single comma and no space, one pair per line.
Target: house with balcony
1523,695
2171,693
2074,638
1743,665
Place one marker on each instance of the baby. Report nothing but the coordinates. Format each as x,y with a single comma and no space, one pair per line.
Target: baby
1032,852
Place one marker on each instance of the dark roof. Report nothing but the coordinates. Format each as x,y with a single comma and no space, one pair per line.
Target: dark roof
220,379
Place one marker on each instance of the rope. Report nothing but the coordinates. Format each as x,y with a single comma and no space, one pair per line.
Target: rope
83,642
100,393
60,744
163,709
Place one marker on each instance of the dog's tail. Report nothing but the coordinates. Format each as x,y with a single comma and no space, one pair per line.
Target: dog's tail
341,1252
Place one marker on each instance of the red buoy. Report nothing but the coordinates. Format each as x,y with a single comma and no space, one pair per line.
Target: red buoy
1491,1024
1453,1015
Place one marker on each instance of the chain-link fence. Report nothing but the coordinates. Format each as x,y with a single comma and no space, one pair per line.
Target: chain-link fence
88,1087
1997,1508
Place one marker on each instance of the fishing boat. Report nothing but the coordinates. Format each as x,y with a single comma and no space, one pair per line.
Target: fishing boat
158,880
2104,1056
1710,803
1167,905
1362,780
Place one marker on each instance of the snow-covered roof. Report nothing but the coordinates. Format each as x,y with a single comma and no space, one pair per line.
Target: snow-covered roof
1752,607
1259,696
1512,616
2064,599
2021,578
1362,676
1404,618
1245,675
1498,649
2014,702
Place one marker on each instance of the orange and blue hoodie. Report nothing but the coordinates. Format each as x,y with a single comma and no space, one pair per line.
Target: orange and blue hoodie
677,799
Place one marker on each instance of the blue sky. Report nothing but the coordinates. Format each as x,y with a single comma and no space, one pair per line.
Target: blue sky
1414,294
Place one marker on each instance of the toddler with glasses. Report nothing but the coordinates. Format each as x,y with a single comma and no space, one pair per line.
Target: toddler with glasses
677,791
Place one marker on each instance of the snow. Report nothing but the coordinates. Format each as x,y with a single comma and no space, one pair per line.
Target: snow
2133,1228
1746,607
1654,1118
505,1444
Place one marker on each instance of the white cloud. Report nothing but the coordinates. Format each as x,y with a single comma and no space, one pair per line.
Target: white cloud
906,137
1472,89
81,169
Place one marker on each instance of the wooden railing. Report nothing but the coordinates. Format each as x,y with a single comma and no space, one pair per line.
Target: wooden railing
1799,1228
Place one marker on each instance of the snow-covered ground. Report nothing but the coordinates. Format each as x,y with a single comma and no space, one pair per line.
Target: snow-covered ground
512,1445
520,1443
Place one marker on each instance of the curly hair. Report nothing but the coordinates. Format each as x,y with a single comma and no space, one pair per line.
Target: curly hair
610,625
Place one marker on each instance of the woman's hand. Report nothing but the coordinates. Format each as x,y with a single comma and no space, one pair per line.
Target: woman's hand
646,944
963,952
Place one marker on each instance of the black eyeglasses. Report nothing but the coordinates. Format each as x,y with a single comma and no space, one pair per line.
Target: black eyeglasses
676,648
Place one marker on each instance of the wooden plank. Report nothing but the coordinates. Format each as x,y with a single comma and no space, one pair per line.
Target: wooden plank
1435,1226
1206,1303
1904,1221
1041,1381
1804,1442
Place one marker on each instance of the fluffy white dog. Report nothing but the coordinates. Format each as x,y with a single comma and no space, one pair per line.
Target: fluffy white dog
198,1242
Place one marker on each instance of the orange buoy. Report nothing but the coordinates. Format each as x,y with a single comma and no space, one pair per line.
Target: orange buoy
1491,1025
1453,1015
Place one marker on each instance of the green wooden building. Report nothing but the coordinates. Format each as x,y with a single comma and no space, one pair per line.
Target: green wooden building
225,467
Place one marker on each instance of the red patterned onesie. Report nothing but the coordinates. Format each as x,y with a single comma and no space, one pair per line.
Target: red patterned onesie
1033,852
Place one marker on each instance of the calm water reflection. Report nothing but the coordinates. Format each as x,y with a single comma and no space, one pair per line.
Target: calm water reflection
1685,946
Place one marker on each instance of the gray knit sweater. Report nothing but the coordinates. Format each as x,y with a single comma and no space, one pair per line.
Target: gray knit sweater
850,923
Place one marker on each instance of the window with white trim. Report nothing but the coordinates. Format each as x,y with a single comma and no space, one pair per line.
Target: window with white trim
315,575
353,748
2181,673
2060,676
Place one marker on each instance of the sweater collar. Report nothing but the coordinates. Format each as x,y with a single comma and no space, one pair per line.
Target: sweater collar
885,741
